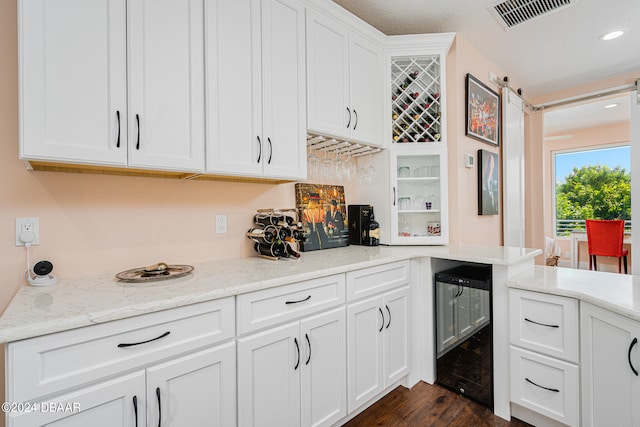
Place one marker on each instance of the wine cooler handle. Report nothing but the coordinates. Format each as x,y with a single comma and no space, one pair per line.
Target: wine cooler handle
355,113
555,390
541,324
381,315
349,122
298,301
633,343
309,344
135,408
138,122
295,340
388,311
118,141
144,342
259,148
159,407
270,150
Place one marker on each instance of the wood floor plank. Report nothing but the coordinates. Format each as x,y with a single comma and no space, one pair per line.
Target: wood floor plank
429,405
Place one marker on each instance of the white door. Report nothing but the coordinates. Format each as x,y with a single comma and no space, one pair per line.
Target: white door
269,365
73,81
234,87
115,403
365,90
166,84
513,169
610,352
365,323
195,390
328,76
396,335
324,373
284,121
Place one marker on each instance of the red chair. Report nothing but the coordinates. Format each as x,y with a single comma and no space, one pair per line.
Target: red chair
606,238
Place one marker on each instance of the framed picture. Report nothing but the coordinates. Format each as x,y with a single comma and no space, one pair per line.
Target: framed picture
323,213
483,112
488,179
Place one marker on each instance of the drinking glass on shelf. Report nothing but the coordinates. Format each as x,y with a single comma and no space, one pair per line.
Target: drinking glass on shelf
404,203
404,171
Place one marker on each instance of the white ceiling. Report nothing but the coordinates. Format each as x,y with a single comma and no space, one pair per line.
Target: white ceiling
556,51
586,115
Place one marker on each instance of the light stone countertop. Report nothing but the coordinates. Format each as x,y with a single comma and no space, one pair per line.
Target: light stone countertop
619,293
74,303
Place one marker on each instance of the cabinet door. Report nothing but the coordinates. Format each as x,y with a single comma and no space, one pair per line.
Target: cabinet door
194,390
328,76
73,81
324,373
396,338
166,84
365,323
610,388
269,365
106,404
365,90
233,97
283,89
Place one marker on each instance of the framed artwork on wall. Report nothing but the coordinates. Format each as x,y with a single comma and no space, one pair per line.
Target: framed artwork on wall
488,179
482,112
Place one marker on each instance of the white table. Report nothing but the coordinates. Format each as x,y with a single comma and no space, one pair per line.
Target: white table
581,236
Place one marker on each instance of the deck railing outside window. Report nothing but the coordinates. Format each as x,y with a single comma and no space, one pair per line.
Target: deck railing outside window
564,227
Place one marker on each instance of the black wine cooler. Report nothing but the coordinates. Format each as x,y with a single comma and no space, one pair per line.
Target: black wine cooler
464,338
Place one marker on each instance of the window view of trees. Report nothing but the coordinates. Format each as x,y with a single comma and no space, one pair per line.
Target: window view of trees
592,192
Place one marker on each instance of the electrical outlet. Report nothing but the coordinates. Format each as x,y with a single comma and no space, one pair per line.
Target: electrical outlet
221,224
27,226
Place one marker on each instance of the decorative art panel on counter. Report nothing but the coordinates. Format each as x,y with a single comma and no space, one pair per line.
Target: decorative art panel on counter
322,211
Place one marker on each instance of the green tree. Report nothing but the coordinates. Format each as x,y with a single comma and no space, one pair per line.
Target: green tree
594,192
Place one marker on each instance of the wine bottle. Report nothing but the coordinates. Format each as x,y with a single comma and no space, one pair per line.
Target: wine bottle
290,251
268,218
266,235
371,232
275,250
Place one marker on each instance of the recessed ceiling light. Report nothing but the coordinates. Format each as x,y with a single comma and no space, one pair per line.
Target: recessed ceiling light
612,35
612,105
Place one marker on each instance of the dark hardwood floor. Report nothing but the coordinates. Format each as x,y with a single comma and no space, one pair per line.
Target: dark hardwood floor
428,405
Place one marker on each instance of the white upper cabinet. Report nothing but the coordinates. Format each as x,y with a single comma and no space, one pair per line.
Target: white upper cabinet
344,82
74,80
73,99
166,84
255,69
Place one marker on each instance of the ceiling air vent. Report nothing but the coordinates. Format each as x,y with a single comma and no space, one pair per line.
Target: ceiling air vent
510,13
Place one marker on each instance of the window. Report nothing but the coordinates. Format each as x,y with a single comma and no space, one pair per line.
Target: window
592,184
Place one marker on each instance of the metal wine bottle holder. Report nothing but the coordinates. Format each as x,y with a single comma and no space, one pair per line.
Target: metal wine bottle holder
276,233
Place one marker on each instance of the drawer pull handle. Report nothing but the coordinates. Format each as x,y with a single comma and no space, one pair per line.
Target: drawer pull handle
144,342
159,407
309,344
381,315
388,311
295,340
633,343
299,301
555,390
135,408
541,324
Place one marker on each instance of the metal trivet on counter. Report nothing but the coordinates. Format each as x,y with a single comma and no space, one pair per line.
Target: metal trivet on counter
160,272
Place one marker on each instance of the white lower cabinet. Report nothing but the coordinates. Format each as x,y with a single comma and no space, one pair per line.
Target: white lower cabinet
294,374
378,344
610,365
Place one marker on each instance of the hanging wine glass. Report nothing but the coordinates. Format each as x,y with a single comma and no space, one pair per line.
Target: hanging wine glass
313,164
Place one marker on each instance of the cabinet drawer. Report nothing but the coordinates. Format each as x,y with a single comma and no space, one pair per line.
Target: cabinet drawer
370,281
55,362
544,323
545,385
269,307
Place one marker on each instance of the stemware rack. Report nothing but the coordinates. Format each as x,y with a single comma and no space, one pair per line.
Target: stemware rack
339,146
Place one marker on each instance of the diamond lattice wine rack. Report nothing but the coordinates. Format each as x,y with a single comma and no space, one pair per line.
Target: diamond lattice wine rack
415,94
